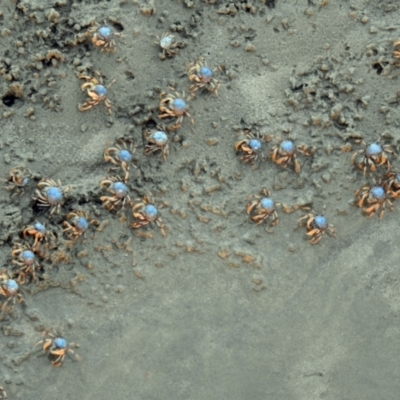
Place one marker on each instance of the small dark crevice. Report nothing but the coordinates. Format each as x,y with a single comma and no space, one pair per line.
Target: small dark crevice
9,100
378,67
150,124
340,126
83,200
117,25
129,74
297,88
271,3
37,209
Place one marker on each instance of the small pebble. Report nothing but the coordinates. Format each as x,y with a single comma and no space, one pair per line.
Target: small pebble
250,47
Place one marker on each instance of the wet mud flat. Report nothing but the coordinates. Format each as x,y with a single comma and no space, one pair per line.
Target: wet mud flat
219,307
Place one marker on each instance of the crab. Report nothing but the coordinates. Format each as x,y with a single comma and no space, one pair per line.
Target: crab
168,45
26,257
173,105
284,153
396,52
18,178
96,91
202,76
39,233
9,289
121,155
56,347
146,213
102,36
78,225
3,394
316,225
117,187
373,156
249,146
373,199
262,208
156,142
50,193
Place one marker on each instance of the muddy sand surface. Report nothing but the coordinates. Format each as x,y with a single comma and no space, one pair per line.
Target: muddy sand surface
219,308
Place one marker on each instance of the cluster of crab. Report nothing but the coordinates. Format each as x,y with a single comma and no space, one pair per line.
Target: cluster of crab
263,209
379,194
102,37
373,198
284,152
30,254
173,106
144,210
36,240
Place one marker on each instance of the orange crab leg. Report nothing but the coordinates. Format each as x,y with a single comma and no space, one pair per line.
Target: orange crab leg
259,218
297,167
251,206
315,239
